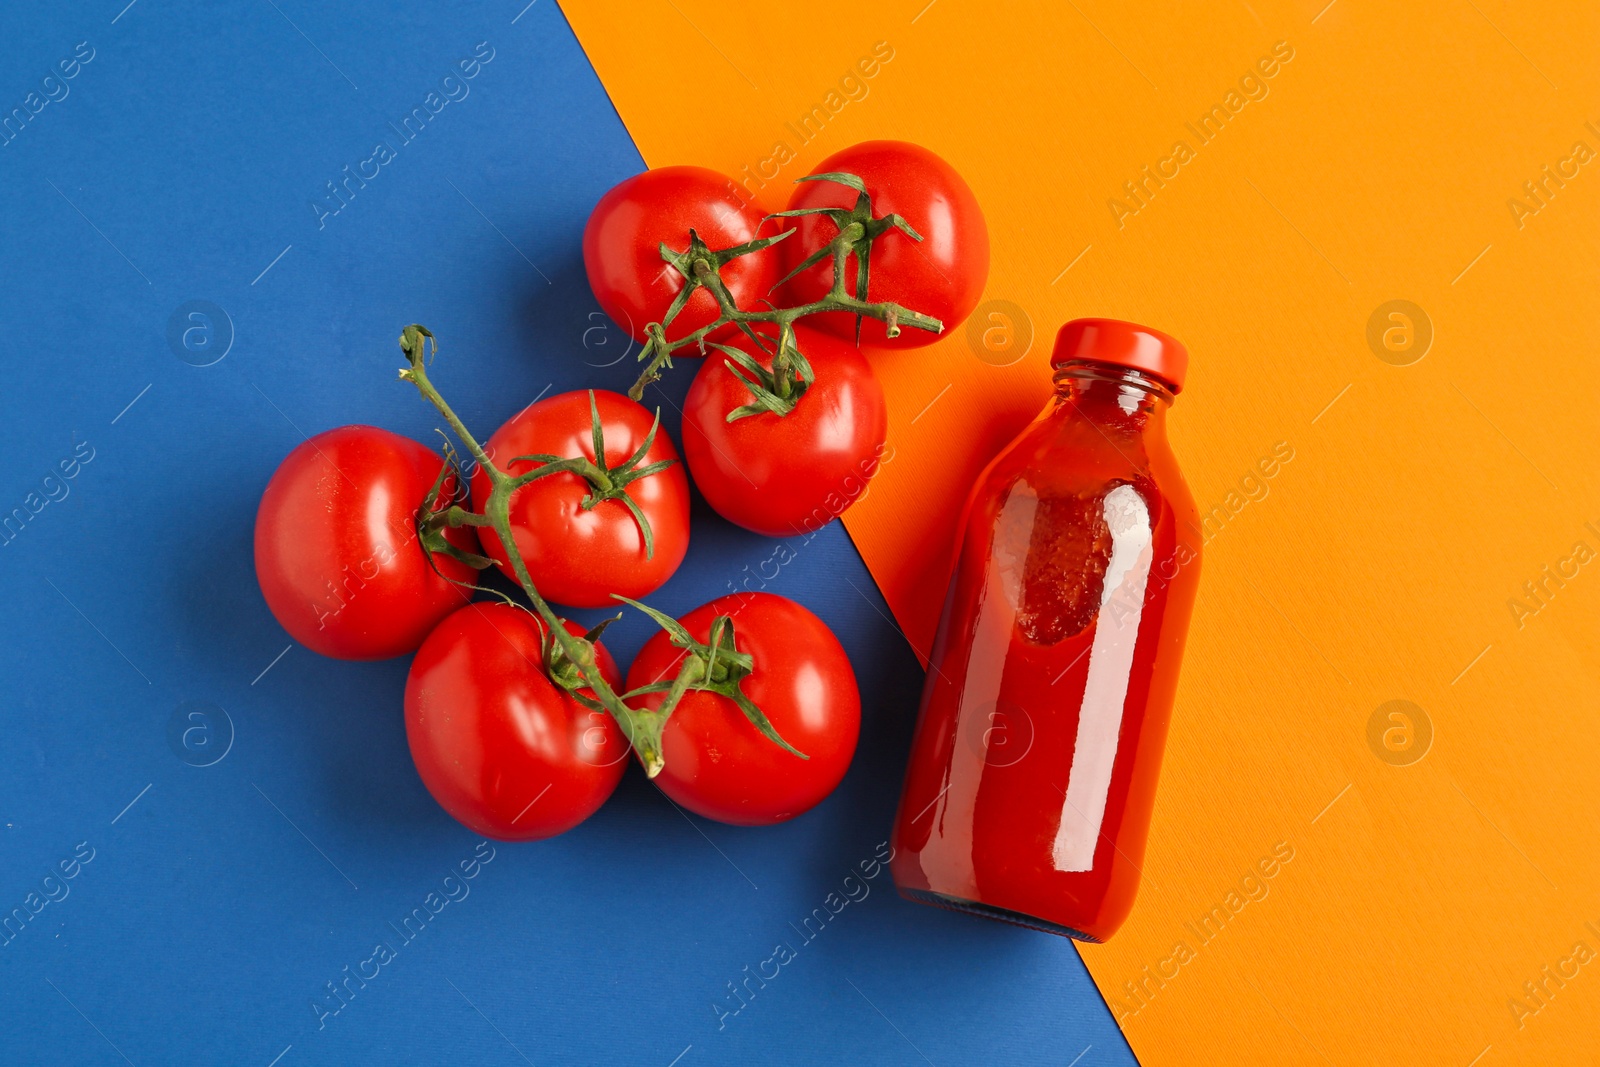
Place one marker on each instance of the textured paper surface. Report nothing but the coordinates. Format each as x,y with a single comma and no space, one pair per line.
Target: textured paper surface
1442,909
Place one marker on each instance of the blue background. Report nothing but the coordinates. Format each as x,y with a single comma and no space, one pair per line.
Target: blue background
181,166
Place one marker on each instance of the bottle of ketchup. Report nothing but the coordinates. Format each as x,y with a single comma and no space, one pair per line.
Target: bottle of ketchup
1033,769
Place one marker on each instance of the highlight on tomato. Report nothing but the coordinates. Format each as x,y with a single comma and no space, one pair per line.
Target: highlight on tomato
622,249
916,195
783,437
611,515
499,744
717,763
337,551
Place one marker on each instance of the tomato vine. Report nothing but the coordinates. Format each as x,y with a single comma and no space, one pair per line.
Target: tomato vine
716,666
700,268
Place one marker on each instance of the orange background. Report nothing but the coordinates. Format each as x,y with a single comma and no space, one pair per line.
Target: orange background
1382,559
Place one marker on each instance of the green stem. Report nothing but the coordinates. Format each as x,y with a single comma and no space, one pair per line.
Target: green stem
641,727
659,350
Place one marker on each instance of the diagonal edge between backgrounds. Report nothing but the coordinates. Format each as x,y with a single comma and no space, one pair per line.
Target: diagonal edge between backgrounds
594,69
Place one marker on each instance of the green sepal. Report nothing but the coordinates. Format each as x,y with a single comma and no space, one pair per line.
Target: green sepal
810,261
724,669
770,394
561,669
759,720
646,690
838,178
433,517
434,543
606,482
599,628
675,629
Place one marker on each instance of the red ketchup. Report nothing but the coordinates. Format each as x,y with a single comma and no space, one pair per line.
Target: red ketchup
1033,769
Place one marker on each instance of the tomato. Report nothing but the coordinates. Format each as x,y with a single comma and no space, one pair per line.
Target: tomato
717,763
502,748
942,275
581,556
621,248
791,474
336,547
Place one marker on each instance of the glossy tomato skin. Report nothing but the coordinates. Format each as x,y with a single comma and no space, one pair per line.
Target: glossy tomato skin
336,548
580,557
501,747
942,275
621,248
719,765
781,476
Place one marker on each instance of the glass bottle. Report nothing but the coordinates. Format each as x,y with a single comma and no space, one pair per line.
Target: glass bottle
1033,768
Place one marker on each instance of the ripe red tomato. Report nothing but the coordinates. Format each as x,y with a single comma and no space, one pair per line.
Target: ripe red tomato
621,248
785,475
502,748
336,546
577,556
717,763
942,275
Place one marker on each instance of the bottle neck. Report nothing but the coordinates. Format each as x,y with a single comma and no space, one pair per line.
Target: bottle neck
1111,394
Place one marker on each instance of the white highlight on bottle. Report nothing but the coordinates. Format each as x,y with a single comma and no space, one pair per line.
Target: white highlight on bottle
1106,687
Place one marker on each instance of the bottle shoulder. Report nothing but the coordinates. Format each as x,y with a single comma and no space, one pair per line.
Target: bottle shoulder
1060,454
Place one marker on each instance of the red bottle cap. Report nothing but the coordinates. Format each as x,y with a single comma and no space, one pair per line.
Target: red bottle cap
1126,344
